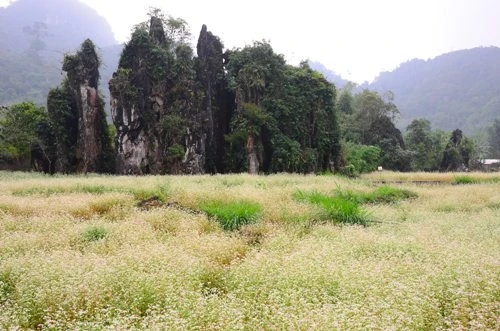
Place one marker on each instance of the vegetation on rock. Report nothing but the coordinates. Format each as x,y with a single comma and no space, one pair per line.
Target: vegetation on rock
226,111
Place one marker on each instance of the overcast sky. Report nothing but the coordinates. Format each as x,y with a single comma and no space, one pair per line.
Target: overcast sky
356,38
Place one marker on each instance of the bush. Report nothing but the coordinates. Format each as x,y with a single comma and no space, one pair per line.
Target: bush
363,158
94,233
232,215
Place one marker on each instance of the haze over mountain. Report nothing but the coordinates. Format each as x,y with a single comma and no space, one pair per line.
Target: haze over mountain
35,35
460,89
456,90
330,75
61,25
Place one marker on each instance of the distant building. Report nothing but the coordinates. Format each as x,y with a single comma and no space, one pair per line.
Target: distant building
490,164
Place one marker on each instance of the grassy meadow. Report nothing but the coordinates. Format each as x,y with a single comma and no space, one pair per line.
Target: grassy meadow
387,251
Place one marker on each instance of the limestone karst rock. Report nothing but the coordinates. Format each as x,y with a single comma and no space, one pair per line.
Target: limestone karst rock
155,105
216,101
138,103
78,117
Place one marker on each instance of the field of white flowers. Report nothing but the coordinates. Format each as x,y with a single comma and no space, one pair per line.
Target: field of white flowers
386,251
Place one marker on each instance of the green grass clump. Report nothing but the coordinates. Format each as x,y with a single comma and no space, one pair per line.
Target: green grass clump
387,194
383,194
94,233
44,191
340,209
233,214
161,193
460,180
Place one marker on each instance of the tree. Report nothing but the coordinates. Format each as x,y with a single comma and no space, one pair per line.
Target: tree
344,102
251,71
426,146
63,117
373,118
459,152
494,139
361,158
20,125
303,106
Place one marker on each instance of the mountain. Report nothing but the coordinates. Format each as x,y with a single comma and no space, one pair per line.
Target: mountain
35,35
330,75
456,90
55,25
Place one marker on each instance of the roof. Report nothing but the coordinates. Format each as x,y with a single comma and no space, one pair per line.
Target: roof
490,161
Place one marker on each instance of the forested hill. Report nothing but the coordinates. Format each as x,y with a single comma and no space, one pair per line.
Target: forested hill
35,35
455,90
51,26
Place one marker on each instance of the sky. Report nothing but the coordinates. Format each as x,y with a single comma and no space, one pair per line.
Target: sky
358,39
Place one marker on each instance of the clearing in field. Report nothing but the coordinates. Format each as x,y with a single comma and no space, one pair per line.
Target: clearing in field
386,251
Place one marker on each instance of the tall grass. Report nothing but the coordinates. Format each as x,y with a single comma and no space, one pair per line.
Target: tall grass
232,215
464,179
79,254
338,208
382,194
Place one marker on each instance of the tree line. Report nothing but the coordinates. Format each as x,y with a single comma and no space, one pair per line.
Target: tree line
220,111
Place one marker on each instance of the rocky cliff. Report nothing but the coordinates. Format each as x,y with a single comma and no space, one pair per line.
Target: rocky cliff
77,113
155,104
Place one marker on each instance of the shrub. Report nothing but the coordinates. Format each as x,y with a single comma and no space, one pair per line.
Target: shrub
232,215
94,233
363,158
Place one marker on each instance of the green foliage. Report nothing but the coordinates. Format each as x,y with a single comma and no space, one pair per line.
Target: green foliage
173,128
426,146
361,158
65,110
232,215
19,126
287,154
83,65
295,127
176,152
94,233
64,121
458,152
345,102
372,123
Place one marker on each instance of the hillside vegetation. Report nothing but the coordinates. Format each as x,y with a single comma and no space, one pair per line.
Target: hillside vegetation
456,90
98,252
